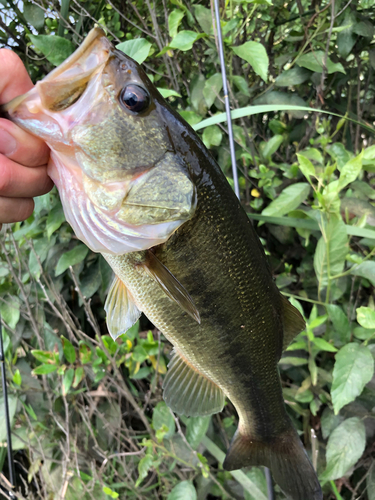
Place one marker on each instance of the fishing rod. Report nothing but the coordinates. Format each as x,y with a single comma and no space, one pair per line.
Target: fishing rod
12,475
234,165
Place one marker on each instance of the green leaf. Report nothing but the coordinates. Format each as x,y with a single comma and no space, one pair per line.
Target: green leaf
345,446
184,40
256,55
71,258
162,416
44,369
306,167
17,378
289,199
340,321
68,349
138,49
34,15
54,220
350,171
323,345
314,62
174,20
331,251
366,317
191,117
271,146
10,311
12,404
346,39
54,47
110,492
257,476
78,376
183,491
241,84
168,93
212,88
67,381
45,356
294,76
144,466
354,368
204,18
364,28
195,430
212,136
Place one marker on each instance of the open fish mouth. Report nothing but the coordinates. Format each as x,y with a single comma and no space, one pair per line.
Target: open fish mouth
60,89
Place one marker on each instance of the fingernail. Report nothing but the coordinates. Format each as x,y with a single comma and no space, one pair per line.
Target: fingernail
8,143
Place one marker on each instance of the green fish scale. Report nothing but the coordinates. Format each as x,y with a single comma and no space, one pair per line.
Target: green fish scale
238,343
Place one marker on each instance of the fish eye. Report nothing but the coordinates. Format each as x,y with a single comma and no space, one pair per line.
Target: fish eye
134,98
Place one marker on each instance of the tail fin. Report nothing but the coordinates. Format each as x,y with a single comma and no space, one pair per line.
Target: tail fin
285,456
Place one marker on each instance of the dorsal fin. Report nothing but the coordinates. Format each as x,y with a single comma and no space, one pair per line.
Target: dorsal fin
293,322
188,392
170,285
121,310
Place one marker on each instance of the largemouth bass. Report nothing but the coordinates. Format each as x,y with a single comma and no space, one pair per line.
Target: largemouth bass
137,185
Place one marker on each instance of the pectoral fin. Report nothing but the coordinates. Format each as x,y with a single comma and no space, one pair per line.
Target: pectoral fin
293,322
170,285
121,310
188,392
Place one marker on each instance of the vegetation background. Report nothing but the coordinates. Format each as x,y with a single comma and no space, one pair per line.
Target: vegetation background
87,413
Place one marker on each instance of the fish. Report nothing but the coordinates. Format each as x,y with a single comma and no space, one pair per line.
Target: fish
138,185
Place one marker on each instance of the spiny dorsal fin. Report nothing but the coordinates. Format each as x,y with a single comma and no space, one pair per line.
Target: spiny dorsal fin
293,322
121,310
188,392
170,285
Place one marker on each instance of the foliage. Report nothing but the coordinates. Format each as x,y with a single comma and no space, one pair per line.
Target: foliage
87,412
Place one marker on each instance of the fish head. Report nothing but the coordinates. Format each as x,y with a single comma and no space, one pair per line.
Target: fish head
121,183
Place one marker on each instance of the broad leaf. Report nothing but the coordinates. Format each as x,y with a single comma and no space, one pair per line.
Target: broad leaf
34,15
54,47
68,349
67,381
346,39
184,40
12,403
294,76
212,88
345,446
204,18
306,167
314,62
10,310
162,417
366,317
350,171
288,200
195,430
183,491
271,146
212,136
256,55
71,258
138,49
354,368
365,270
174,20
331,251
168,93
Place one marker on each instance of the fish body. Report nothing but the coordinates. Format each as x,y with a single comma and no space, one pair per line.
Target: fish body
138,186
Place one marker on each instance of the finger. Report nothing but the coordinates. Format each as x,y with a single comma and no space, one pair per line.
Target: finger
20,146
15,209
14,78
17,181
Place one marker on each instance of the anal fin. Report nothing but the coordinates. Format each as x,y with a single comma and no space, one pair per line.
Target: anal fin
121,310
293,322
170,285
188,392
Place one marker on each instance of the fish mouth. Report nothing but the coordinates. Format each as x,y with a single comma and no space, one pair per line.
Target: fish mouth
60,87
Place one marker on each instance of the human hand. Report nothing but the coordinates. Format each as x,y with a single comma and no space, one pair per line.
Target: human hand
23,157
